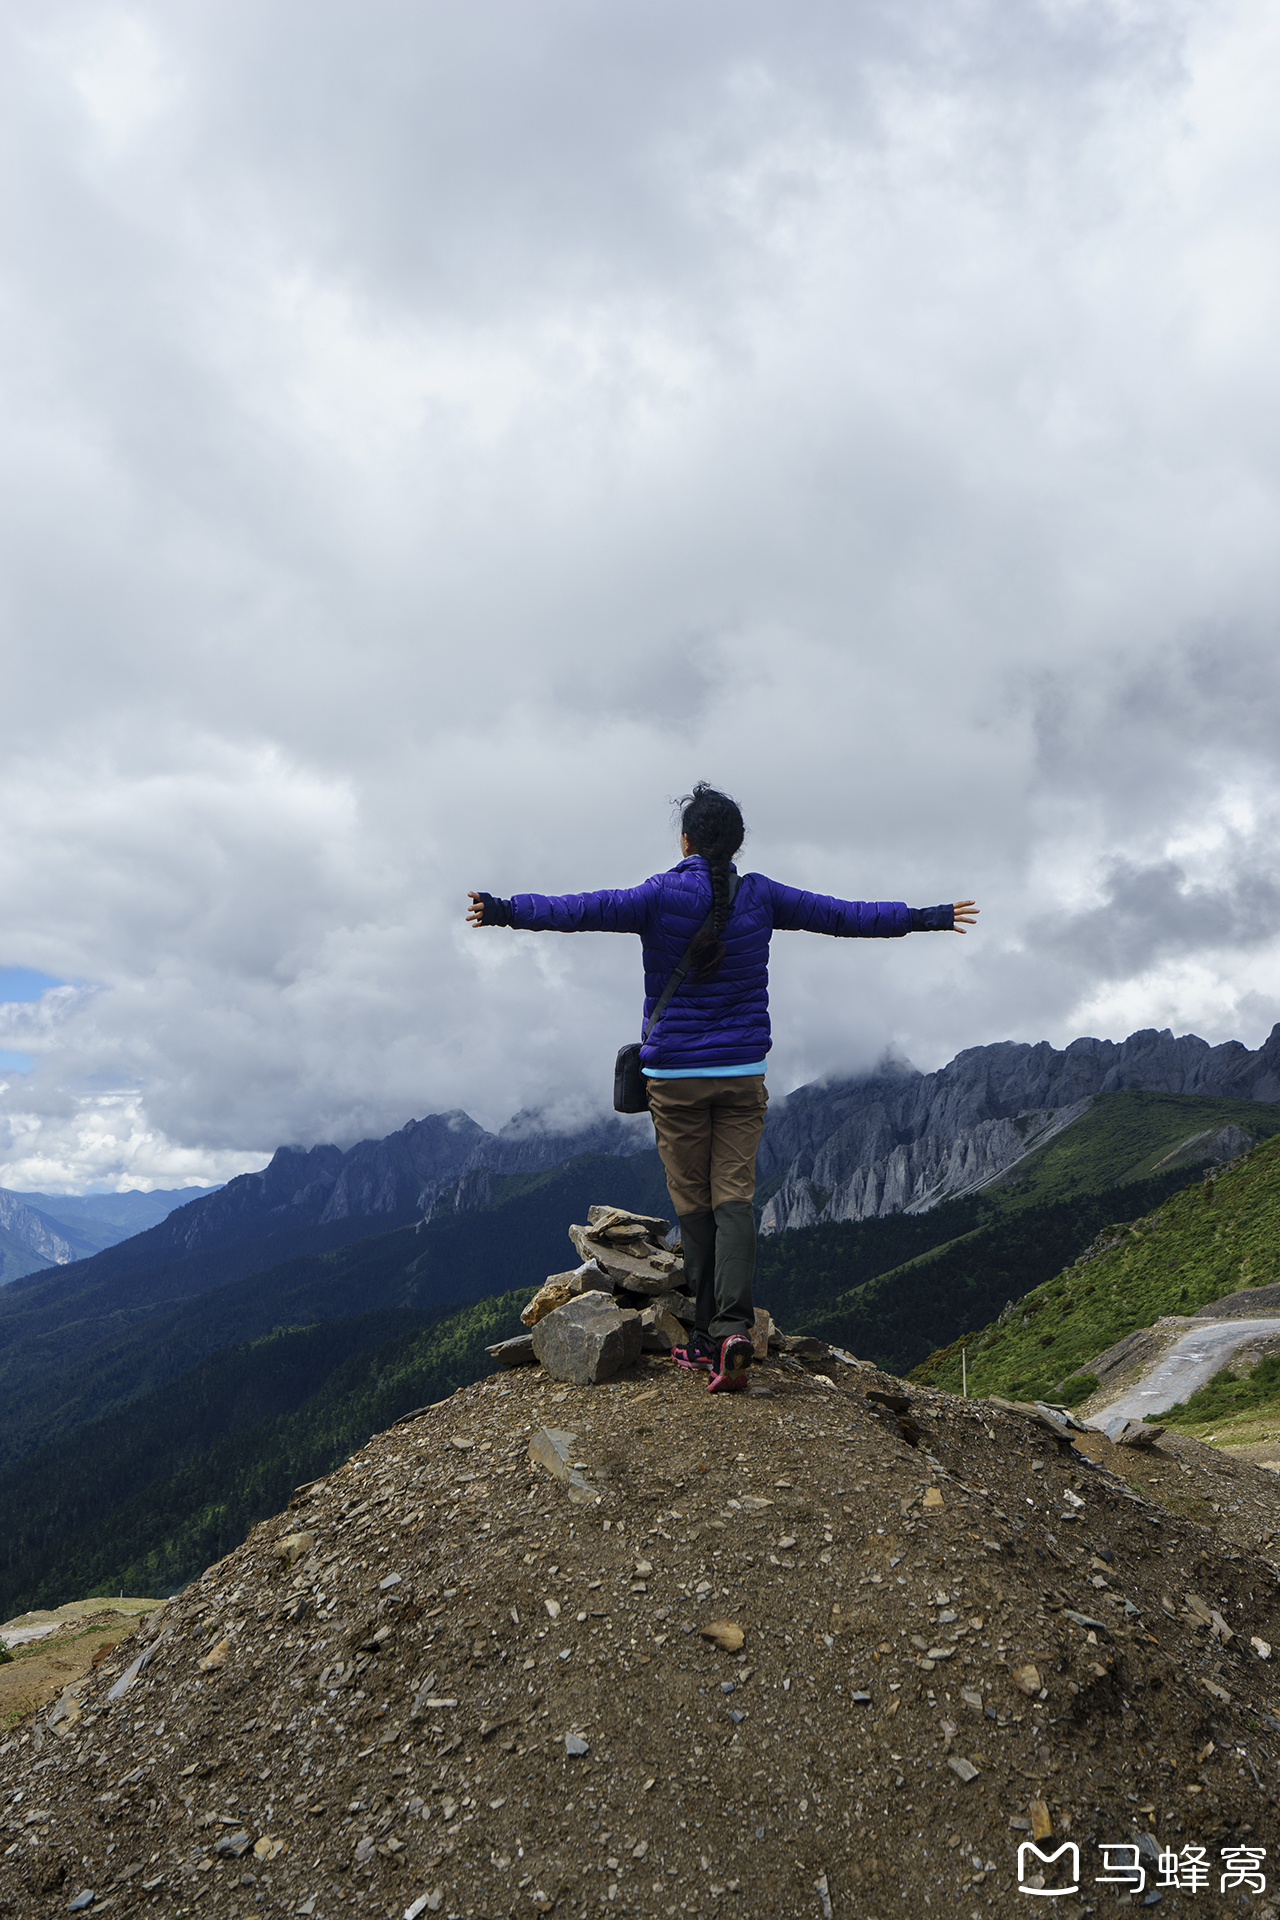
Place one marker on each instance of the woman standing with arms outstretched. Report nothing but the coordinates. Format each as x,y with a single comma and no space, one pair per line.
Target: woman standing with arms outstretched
704,1058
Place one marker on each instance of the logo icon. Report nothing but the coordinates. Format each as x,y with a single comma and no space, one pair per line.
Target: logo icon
1029,1850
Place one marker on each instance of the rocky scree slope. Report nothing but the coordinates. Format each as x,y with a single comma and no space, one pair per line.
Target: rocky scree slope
437,1685
902,1139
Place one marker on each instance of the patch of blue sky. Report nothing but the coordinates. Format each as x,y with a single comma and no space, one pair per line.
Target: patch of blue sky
19,984
24,983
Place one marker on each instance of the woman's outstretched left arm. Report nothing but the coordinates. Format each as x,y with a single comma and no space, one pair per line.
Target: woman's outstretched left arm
616,910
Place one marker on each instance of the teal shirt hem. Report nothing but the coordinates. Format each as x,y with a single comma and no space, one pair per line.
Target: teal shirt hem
702,1073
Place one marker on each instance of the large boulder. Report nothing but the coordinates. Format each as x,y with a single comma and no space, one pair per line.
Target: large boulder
587,1340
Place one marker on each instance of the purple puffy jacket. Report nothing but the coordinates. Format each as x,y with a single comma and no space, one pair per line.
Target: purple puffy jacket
722,1021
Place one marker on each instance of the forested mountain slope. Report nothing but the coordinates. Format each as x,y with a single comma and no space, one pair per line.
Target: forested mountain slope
58,1372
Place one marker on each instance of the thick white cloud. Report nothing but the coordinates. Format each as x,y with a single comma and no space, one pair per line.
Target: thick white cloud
436,436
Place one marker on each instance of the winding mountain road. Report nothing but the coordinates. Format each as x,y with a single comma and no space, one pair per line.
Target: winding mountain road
1192,1359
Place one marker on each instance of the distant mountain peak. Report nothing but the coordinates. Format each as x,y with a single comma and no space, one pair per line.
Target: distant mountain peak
874,1146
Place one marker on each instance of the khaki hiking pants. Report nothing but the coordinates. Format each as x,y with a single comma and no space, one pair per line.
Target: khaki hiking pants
708,1132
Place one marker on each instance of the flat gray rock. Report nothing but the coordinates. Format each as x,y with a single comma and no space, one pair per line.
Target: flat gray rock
587,1340
514,1353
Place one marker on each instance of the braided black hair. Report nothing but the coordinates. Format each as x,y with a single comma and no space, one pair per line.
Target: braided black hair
714,827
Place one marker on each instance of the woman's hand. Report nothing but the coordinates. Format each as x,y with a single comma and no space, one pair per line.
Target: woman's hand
965,911
475,912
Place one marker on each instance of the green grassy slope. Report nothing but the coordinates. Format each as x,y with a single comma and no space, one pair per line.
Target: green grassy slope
1232,1402
1130,1136
1212,1238
151,1496
894,1290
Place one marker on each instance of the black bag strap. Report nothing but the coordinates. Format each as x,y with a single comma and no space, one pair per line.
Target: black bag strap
677,979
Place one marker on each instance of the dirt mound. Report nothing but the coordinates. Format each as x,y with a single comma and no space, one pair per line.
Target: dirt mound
440,1684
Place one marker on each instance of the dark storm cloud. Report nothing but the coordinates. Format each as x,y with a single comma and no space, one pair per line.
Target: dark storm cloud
1149,914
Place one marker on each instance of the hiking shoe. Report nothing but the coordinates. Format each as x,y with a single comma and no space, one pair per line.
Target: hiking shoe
729,1369
698,1351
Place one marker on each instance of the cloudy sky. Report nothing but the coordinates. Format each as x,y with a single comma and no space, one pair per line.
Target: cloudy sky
435,436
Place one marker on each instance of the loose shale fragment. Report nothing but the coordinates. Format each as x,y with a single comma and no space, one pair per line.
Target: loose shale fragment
552,1450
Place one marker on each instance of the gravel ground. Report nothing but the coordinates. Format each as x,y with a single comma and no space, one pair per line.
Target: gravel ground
438,1685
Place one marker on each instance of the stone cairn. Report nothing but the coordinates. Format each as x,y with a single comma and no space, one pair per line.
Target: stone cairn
627,1297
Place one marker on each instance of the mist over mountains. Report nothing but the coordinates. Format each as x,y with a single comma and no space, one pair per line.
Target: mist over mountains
896,1139
848,1149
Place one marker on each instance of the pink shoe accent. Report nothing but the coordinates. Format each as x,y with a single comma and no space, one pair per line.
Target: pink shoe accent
697,1354
729,1373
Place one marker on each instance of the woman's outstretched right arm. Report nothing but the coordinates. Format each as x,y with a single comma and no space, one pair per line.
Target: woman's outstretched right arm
797,910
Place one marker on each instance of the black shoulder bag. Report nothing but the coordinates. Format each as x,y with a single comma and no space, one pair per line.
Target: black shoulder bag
630,1088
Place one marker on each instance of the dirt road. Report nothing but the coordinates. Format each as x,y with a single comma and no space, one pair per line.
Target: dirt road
1192,1360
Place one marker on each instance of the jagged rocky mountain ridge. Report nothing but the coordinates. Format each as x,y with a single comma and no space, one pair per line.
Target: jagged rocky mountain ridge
846,1149
397,1177
899,1139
